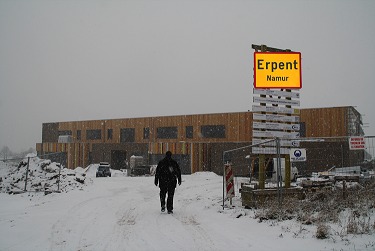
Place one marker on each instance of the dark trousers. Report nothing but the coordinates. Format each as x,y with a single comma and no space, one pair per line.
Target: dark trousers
163,192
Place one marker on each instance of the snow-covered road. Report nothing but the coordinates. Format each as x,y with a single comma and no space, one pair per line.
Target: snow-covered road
127,216
123,213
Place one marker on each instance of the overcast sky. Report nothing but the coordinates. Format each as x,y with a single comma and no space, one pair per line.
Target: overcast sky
84,60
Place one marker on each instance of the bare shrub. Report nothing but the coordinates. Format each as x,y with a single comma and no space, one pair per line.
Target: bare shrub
325,206
273,210
322,231
358,224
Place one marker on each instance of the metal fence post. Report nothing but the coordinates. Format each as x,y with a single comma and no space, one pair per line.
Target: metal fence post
27,171
58,180
223,178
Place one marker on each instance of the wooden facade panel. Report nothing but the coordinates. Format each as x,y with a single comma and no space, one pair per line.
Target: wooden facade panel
237,126
50,132
174,147
115,125
38,147
324,122
246,126
319,122
204,154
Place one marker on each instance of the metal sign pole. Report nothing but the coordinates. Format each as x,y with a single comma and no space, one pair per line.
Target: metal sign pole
278,173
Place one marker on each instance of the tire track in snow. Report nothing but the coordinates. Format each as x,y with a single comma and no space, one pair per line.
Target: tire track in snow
201,239
140,226
126,218
129,218
62,232
92,221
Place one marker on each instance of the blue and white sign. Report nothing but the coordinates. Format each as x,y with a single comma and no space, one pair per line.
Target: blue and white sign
297,154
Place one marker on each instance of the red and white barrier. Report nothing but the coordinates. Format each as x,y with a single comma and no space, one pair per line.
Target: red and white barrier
229,181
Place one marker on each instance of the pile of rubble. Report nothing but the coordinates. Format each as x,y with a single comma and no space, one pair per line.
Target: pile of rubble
40,176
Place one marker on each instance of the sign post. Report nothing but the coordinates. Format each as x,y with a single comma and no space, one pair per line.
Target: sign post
276,73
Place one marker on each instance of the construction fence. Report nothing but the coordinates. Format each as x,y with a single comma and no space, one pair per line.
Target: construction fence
325,162
322,154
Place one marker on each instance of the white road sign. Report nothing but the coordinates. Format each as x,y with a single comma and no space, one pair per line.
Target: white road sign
275,101
275,134
273,117
297,154
269,150
276,126
278,109
276,93
283,143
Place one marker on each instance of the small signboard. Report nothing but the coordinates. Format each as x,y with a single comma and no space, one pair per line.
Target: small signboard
283,142
277,70
276,93
275,117
276,109
276,101
275,134
269,150
297,154
357,143
276,126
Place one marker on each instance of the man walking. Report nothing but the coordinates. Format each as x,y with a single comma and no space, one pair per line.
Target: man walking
167,174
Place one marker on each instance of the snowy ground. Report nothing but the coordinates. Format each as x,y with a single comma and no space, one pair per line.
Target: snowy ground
123,213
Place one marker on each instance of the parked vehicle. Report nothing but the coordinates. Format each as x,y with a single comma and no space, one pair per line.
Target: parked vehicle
293,171
137,167
103,170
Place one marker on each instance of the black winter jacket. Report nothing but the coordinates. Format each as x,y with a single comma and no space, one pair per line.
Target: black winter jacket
167,173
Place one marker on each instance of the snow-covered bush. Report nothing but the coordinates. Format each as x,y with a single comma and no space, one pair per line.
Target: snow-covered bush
351,210
322,231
